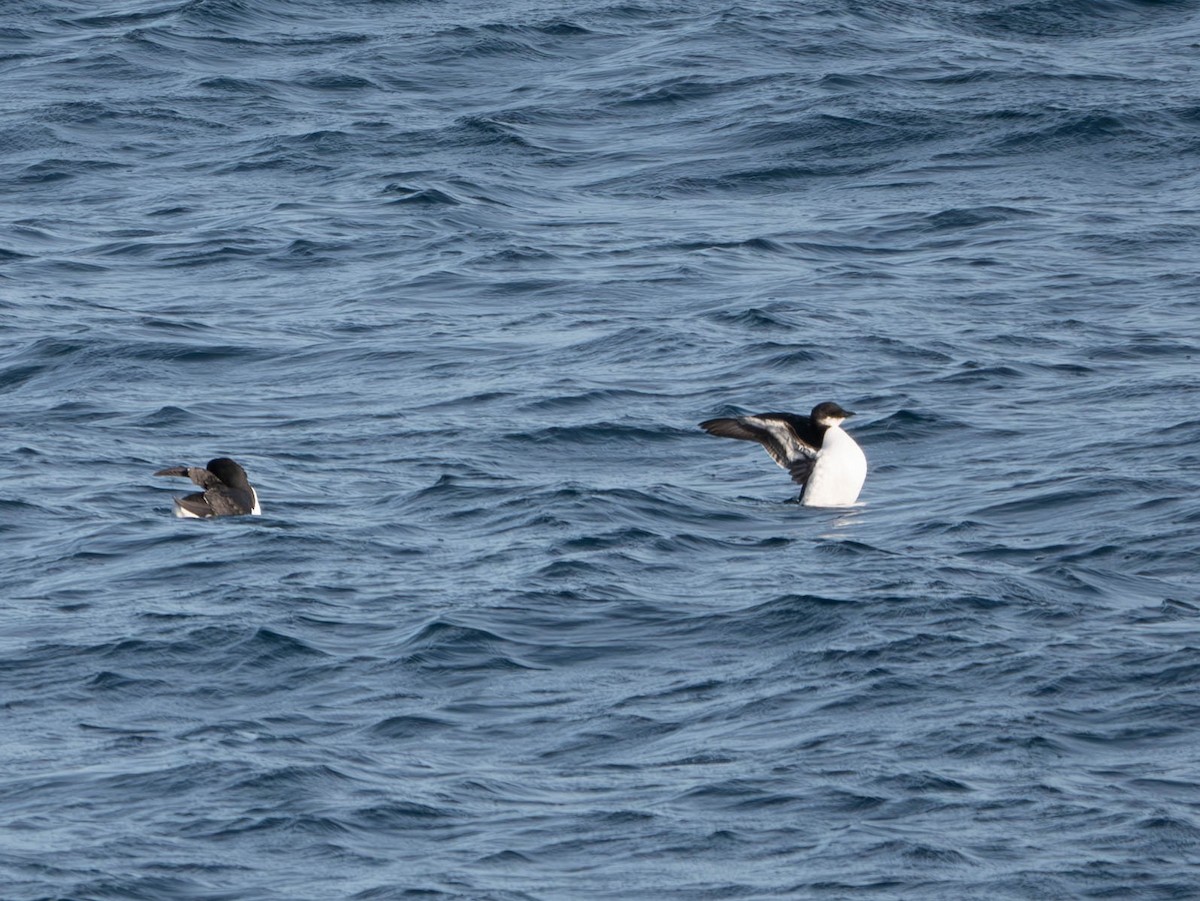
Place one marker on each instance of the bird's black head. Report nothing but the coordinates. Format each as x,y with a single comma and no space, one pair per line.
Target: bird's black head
228,471
829,413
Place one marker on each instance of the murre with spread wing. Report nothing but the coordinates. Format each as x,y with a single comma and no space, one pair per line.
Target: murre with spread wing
227,491
819,454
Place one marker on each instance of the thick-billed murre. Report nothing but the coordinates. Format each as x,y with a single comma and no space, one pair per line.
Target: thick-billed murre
821,457
227,491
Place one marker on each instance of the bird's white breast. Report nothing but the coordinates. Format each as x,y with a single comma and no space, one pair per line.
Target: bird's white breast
839,472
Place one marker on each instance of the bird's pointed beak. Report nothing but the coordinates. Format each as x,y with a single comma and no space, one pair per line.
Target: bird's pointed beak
173,471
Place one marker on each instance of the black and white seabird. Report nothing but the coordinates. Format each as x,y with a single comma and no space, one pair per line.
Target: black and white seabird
821,457
227,491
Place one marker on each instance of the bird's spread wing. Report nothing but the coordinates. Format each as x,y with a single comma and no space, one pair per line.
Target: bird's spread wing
195,504
219,501
197,474
789,439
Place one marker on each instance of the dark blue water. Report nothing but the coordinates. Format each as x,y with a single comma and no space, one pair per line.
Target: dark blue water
455,282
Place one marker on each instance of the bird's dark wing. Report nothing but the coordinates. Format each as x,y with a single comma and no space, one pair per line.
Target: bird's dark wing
197,474
801,469
195,504
218,501
790,439
748,431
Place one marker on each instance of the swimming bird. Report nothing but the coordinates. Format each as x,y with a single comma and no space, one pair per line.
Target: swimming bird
227,491
821,457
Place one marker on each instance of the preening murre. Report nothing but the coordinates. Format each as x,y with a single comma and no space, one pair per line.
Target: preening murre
821,457
227,491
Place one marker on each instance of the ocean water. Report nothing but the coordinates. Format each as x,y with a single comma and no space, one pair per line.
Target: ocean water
455,282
